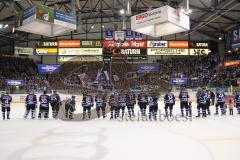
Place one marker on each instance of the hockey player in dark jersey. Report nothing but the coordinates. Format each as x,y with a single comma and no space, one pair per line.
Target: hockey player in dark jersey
87,104
55,103
237,101
143,102
153,106
44,101
201,103
190,109
208,98
31,104
183,96
220,98
131,101
169,101
100,100
113,104
6,100
70,107
121,103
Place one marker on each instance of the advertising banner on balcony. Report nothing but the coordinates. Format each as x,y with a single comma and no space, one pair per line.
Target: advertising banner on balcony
167,51
147,67
46,51
91,44
69,43
179,81
198,52
23,50
80,51
200,45
178,44
157,44
42,68
10,82
47,44
125,44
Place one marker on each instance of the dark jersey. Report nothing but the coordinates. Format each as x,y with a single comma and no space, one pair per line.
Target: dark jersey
44,100
121,100
6,100
55,98
100,100
202,98
113,100
220,97
131,99
183,96
31,99
142,99
153,100
237,98
169,98
71,102
208,96
87,101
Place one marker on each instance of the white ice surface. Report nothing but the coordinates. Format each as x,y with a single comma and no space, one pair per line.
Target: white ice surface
213,138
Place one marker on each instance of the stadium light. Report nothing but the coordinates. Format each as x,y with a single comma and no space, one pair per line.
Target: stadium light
220,38
103,26
229,51
122,11
92,27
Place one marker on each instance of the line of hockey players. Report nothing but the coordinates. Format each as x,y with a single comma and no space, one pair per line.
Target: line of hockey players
119,101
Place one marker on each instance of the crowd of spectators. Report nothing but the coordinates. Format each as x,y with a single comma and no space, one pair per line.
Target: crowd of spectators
200,71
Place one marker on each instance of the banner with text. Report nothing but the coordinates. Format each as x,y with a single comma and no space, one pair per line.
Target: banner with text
167,51
46,51
42,68
80,51
14,82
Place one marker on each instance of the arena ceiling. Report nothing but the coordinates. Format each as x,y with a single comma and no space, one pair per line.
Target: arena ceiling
211,18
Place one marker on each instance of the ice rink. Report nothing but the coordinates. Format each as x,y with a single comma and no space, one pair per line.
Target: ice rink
212,138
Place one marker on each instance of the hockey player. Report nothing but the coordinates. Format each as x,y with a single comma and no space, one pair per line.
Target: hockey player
169,101
237,101
70,107
55,104
208,98
113,104
121,103
201,103
100,100
87,104
153,106
212,98
31,104
190,108
131,101
6,100
143,102
220,96
183,96
44,100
